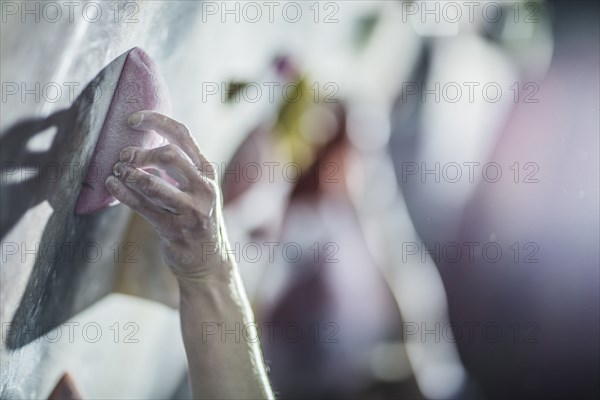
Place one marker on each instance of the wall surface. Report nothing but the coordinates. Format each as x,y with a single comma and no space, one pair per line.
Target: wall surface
58,267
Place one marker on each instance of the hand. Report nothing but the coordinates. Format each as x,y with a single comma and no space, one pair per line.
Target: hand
185,214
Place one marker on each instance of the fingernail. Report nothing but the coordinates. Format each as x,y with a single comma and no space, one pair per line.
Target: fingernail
135,119
118,169
125,155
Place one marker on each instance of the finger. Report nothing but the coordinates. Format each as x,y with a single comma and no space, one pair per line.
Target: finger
130,198
174,132
153,188
169,158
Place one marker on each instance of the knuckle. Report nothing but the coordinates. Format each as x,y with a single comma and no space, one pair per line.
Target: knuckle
210,186
199,221
182,128
211,192
212,189
197,214
148,186
168,153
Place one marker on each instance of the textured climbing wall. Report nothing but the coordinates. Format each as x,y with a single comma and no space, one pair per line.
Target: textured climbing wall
58,267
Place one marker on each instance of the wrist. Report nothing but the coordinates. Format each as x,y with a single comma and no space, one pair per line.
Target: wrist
210,263
218,297
214,270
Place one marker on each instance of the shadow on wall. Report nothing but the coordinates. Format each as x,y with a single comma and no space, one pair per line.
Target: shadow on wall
68,274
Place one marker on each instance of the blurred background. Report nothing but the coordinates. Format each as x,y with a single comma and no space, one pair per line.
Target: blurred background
411,190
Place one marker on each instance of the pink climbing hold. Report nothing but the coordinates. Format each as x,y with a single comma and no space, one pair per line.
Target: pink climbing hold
140,87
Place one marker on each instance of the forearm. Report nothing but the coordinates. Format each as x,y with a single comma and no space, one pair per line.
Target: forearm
221,364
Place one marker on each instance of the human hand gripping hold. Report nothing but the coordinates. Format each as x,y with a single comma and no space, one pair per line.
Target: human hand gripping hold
184,207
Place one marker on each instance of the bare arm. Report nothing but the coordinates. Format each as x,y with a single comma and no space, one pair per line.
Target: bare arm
217,323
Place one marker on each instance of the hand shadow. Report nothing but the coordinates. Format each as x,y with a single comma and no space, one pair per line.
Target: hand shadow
67,275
